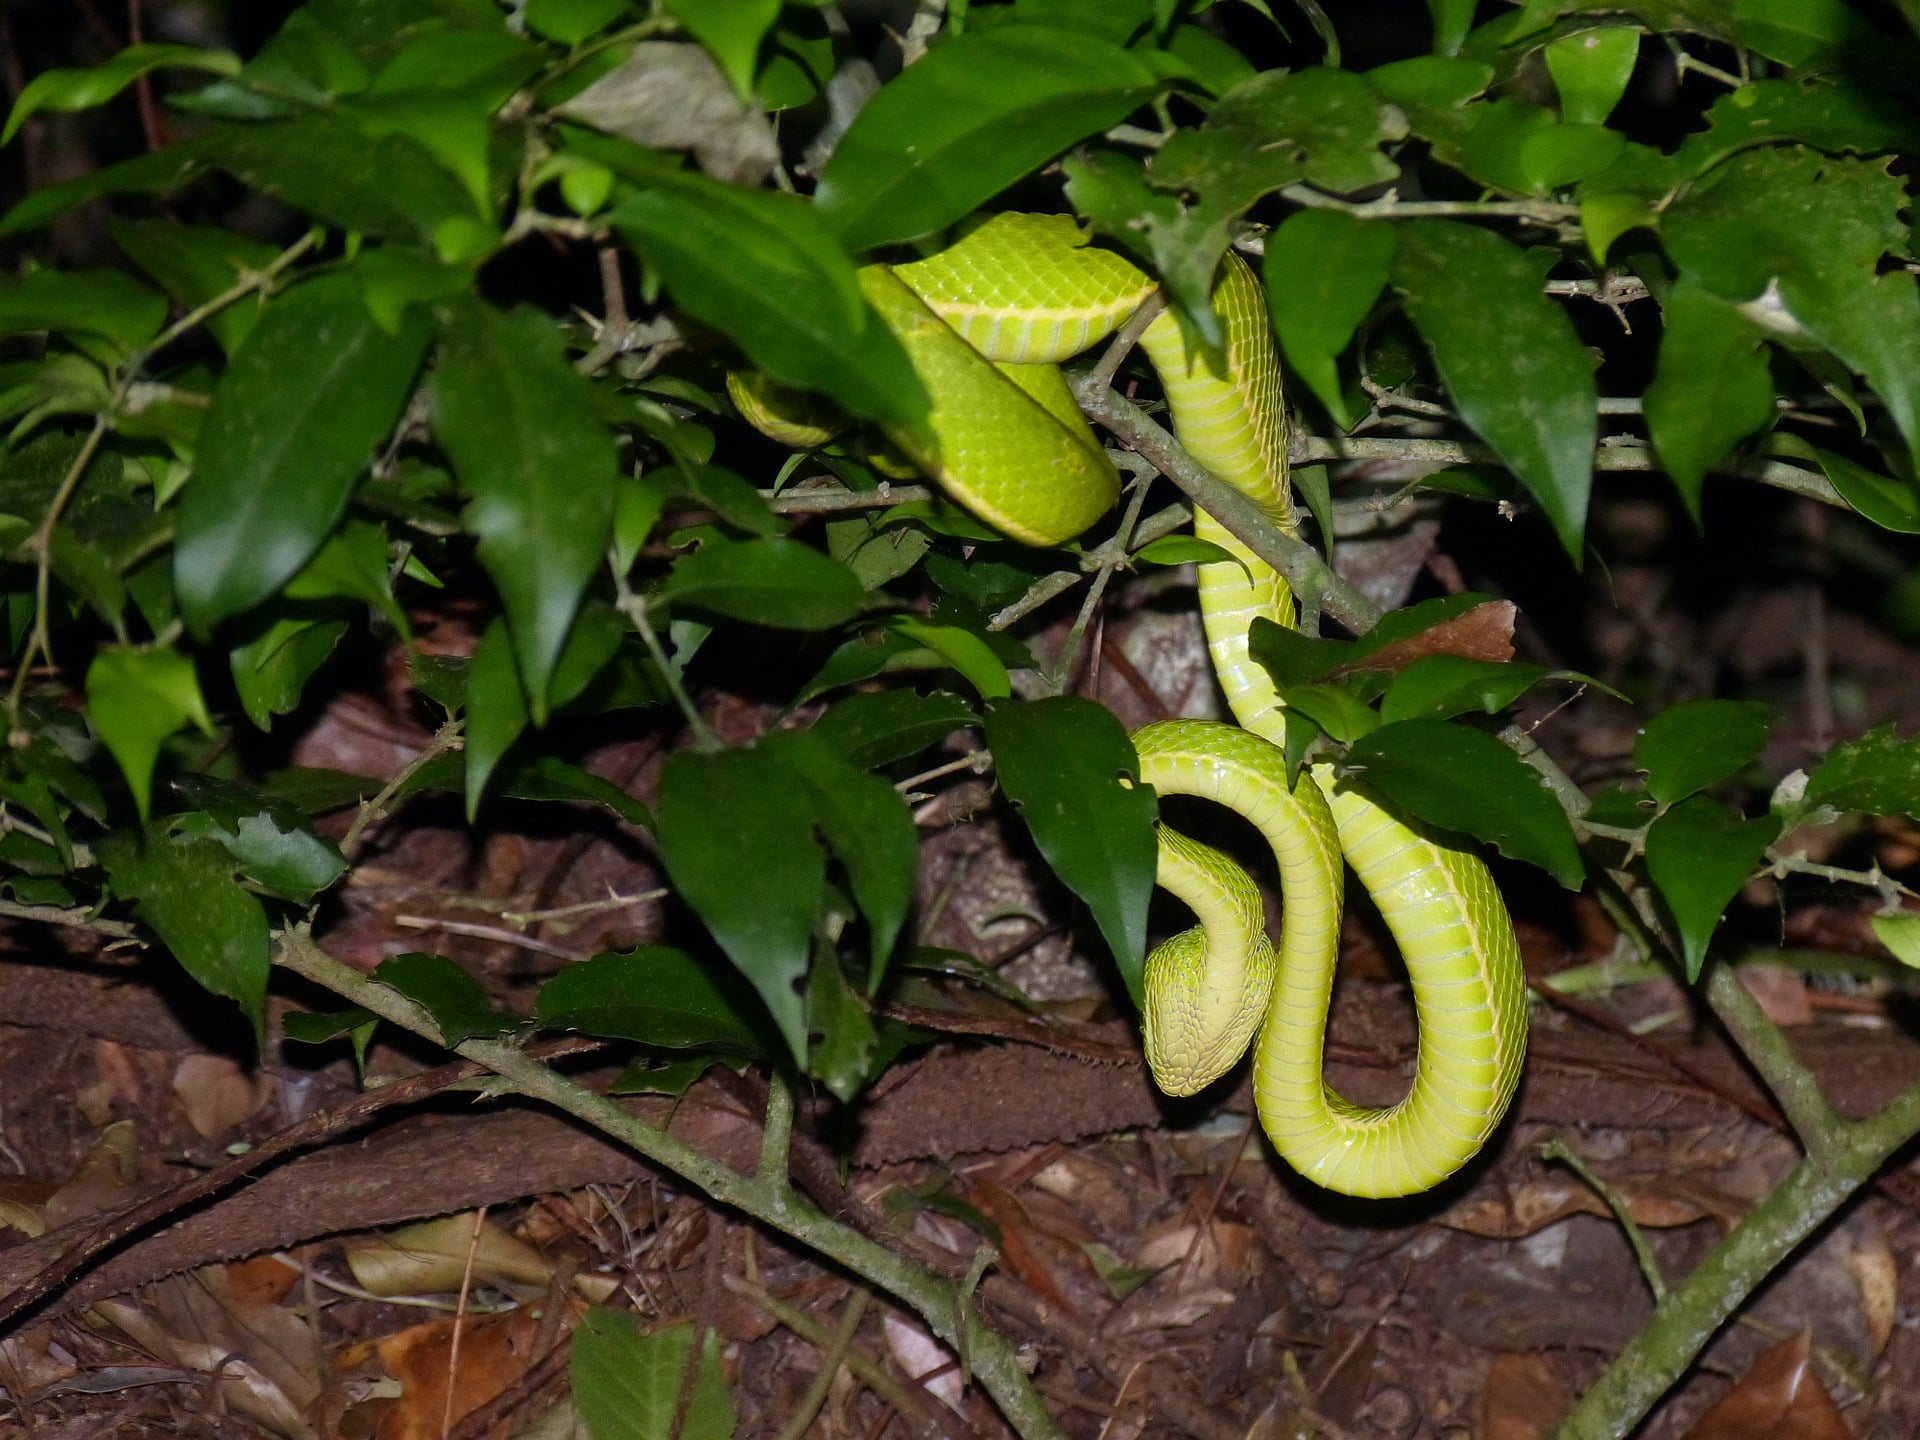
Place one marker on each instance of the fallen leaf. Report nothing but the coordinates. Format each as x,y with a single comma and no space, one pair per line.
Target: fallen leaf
1524,1398
263,1280
1780,1397
1780,991
495,1351
104,1180
1216,1257
431,1258
1865,1253
923,1359
217,1094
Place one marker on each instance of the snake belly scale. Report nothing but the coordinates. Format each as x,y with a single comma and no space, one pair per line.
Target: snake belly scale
985,321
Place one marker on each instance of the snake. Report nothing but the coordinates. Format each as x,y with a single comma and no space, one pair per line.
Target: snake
986,322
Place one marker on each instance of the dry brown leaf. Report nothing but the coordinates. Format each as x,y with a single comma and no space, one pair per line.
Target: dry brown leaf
1523,1399
1658,1202
1483,633
263,1280
923,1359
1219,1255
431,1258
495,1351
1017,1253
1869,1259
217,1094
1780,991
104,1180
1781,1397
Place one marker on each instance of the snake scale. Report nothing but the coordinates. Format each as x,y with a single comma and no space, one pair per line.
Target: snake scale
986,323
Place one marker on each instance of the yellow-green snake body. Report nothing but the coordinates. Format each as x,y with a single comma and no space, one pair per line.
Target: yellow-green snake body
1005,304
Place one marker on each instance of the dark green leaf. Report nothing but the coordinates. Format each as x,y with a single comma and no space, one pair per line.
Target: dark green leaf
84,89
306,401
457,1002
571,21
887,725
186,894
536,467
1510,358
1878,774
655,995
868,826
1699,854
627,1385
352,565
548,777
316,1028
733,499
136,699
1182,550
645,1075
972,117
1324,269
1319,124
970,656
844,1041
1891,504
1813,228
1590,69
1700,743
143,174
1292,658
1814,110
1070,768
108,303
1438,687
496,710
782,583
271,670
1334,709
269,838
739,814
1461,779
762,269
1712,389
195,263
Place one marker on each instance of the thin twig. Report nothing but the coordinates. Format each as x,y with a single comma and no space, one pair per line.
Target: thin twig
459,1323
831,1361
1557,1149
447,737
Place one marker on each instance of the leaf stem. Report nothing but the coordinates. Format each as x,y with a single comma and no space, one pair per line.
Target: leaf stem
1557,1149
1113,555
634,607
447,737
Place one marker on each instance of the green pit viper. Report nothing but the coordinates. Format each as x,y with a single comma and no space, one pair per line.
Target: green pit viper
985,323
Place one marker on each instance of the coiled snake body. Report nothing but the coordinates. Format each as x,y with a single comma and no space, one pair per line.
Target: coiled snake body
986,322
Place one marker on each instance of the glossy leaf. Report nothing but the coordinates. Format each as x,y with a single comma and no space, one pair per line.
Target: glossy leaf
1689,747
1810,230
1070,769
536,467
1452,19
741,813
84,89
1699,854
1181,550
782,583
1590,68
1461,779
108,303
972,117
1510,358
1438,687
762,269
731,30
457,1002
626,1385
882,726
1891,504
186,894
316,388
195,263
496,706
136,699
271,669
655,995
271,840
970,656
571,21
1878,774
1324,270
1712,389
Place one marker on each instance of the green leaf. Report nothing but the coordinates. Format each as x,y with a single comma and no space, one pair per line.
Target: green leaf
1452,19
536,467
844,1040
645,1075
738,814
1878,774
1900,934
316,1028
1699,854
1606,215
1517,372
731,30
1324,270
972,117
1321,124
332,168
867,824
1438,687
1334,709
1461,779
269,838
1712,389
195,263
782,583
1814,228
655,995
143,174
186,894
969,656
571,21
1522,148
271,670
84,89
762,269
728,495
136,699
1069,767
1182,550
1691,746
496,706
1891,504
1814,110
458,1003
352,565
1590,68
316,388
883,726
108,303
1292,658
626,1385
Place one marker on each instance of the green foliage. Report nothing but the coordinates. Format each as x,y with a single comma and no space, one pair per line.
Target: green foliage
1699,854
627,1385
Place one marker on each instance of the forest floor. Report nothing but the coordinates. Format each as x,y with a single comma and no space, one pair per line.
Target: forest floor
1160,1268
